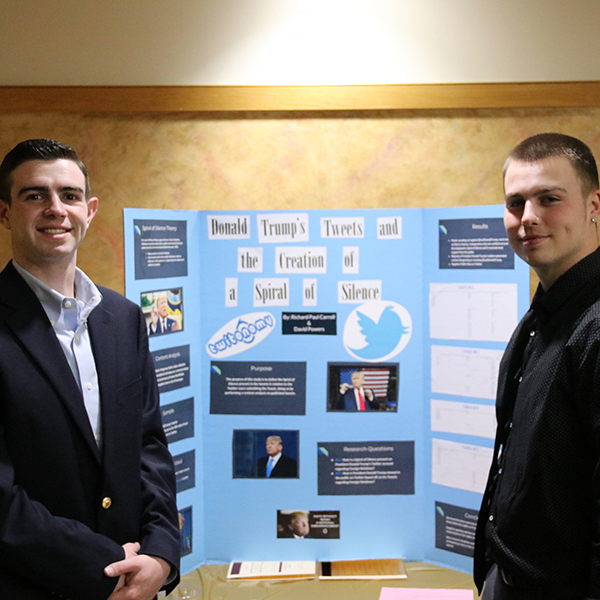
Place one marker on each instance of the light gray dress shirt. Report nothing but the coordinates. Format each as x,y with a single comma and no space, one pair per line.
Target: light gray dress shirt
68,317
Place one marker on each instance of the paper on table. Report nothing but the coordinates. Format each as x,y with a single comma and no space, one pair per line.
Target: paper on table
424,594
272,569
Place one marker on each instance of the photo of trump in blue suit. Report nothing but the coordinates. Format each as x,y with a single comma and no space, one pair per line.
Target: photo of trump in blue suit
356,397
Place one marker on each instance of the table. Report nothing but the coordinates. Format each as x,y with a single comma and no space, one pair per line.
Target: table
213,581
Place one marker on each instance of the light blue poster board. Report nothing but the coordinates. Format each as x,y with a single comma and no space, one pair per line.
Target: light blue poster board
264,324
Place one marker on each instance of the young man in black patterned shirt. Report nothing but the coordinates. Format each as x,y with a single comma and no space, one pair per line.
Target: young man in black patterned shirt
538,534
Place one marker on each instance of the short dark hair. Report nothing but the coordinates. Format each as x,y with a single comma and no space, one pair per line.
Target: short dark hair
545,145
37,149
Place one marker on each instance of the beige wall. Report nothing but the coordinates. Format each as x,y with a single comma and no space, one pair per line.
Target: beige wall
297,42
289,161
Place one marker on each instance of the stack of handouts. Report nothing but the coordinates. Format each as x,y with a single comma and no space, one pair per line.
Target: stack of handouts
272,569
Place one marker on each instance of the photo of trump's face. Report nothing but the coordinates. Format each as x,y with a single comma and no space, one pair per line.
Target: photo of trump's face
299,524
162,305
273,445
358,379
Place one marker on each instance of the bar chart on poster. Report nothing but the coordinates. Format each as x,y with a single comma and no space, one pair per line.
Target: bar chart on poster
327,377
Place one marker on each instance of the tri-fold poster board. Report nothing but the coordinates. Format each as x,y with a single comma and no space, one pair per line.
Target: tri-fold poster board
264,326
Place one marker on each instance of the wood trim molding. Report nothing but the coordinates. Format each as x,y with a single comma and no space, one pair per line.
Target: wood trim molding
144,99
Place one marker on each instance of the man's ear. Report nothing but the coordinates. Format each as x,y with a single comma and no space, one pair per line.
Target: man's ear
595,205
5,214
92,205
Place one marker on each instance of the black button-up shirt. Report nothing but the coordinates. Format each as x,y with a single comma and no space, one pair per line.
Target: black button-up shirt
540,517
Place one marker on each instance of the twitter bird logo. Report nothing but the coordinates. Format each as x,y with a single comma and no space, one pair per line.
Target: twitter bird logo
377,331
381,336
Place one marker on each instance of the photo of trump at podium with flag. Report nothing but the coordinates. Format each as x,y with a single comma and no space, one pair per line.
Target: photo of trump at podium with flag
357,397
356,387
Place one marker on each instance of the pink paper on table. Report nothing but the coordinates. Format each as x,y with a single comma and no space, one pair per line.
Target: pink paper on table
424,594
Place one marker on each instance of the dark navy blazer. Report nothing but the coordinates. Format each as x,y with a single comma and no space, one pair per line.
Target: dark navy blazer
66,507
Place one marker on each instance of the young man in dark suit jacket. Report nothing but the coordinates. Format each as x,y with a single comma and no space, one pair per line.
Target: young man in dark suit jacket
87,490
